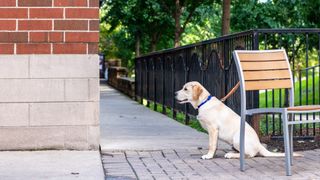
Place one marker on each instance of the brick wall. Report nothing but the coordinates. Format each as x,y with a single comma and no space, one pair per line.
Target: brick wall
49,74
49,26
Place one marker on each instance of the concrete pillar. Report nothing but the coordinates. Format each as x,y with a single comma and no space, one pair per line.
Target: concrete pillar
49,68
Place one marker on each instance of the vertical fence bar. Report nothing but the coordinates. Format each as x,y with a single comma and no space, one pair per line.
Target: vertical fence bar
141,83
293,74
266,91
163,85
174,113
313,101
136,80
300,98
280,91
154,84
187,117
307,80
148,85
319,73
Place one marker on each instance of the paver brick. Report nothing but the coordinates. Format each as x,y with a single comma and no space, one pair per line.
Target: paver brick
167,165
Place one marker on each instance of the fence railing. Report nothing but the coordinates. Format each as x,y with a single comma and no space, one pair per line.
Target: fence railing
160,74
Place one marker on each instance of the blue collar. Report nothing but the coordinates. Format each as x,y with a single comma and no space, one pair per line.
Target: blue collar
209,97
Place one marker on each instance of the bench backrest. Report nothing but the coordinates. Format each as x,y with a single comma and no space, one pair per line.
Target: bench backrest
266,69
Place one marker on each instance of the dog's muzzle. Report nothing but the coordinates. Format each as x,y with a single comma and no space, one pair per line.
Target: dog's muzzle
180,101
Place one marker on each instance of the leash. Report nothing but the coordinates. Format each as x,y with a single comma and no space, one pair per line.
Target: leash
233,90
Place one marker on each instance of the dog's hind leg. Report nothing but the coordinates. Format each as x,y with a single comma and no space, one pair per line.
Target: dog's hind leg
232,155
236,155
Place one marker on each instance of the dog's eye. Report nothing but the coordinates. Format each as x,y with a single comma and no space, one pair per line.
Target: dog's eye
185,89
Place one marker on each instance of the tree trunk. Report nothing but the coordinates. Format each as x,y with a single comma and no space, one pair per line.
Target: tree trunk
138,42
226,17
153,46
177,31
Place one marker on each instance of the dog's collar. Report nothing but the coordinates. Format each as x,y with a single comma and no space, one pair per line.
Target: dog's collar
209,97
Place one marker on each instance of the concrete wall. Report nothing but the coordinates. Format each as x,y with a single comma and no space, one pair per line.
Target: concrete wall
49,86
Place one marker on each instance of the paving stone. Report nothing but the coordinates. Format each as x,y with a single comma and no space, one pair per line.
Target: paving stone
167,165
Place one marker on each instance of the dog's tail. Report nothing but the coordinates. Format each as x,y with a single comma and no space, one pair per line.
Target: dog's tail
265,153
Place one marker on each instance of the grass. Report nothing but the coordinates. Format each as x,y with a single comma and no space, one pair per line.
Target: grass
279,95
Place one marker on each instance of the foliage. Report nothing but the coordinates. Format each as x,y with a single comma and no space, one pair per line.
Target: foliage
206,25
153,24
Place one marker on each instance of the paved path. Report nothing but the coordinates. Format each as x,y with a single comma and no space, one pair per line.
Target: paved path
51,165
126,125
138,143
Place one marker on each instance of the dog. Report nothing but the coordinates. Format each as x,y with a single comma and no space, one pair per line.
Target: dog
221,122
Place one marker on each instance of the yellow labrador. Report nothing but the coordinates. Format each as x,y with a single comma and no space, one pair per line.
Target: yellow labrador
220,121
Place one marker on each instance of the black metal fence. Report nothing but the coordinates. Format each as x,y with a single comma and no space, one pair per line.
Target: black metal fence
158,75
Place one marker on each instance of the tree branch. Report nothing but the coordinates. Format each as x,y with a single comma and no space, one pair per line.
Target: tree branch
166,7
188,19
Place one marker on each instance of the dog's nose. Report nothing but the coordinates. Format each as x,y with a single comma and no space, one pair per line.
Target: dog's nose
176,93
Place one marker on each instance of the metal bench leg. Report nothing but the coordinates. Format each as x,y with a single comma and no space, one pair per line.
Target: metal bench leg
242,150
291,143
286,142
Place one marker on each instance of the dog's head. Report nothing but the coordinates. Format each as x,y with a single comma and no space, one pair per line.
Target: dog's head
192,92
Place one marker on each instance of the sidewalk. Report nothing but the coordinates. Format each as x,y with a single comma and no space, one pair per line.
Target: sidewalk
127,125
138,143
53,165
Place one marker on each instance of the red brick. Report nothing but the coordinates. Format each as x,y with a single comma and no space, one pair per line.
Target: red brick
35,25
8,3
41,37
32,3
71,25
84,13
94,3
46,13
82,37
13,13
11,37
75,48
72,3
94,25
8,25
93,48
55,37
6,48
38,37
33,49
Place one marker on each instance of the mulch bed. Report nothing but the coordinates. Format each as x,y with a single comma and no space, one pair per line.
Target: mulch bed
298,145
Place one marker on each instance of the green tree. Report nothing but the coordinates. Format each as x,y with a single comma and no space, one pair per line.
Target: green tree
182,11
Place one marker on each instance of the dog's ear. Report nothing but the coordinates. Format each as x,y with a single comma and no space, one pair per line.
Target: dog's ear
197,90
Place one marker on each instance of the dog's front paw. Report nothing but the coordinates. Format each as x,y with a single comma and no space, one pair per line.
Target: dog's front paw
207,156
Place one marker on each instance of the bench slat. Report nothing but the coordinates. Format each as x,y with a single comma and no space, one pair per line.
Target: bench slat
263,75
266,84
264,65
268,56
